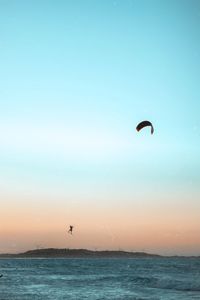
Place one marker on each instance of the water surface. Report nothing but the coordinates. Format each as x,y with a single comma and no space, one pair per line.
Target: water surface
131,279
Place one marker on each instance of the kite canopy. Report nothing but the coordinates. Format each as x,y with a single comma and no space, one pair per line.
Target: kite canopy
143,124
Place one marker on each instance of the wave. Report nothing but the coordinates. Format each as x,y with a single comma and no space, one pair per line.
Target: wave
167,283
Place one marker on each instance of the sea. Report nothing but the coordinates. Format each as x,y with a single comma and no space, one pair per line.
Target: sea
100,278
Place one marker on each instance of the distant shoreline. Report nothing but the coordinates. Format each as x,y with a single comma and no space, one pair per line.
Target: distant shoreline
84,253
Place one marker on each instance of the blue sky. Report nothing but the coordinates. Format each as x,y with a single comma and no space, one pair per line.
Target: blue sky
75,79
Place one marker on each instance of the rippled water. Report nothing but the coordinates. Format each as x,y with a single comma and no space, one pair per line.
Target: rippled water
134,279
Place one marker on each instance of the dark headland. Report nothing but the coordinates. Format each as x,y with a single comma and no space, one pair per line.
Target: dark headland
84,253
77,253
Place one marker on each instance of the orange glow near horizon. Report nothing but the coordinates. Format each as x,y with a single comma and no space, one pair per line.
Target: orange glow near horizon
103,226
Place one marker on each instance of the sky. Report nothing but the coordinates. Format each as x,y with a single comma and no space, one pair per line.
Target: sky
76,77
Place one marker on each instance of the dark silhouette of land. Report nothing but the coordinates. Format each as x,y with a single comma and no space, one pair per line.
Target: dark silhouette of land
77,253
84,253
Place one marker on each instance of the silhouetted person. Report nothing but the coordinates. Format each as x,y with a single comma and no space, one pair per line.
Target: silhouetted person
70,229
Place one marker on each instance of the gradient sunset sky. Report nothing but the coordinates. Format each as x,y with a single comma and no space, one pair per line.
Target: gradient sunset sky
75,79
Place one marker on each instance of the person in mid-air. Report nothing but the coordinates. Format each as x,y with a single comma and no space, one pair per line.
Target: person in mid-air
70,229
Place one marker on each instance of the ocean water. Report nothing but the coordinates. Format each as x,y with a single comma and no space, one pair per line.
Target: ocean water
131,279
